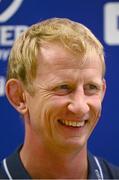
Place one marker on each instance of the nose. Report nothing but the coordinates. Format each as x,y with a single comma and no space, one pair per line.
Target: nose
79,104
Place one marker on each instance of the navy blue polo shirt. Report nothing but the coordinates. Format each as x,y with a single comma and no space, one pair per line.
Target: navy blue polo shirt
98,168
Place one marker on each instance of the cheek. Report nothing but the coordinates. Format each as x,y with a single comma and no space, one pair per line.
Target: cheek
59,101
54,107
42,109
96,107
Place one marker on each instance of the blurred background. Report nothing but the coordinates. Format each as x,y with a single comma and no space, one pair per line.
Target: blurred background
102,17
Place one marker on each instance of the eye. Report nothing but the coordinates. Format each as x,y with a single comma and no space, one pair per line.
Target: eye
62,89
91,89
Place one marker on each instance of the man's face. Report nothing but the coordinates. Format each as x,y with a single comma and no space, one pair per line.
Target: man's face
67,101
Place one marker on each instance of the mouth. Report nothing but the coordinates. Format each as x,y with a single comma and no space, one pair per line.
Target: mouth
75,124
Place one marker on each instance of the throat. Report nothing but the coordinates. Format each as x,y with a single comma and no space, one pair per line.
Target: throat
53,166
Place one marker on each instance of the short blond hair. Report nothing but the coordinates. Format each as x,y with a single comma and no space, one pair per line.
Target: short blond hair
76,37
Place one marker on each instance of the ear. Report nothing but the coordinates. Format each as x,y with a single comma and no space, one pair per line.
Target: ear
16,95
103,88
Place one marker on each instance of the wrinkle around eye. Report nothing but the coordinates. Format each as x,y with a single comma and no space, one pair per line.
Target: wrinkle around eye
92,89
63,89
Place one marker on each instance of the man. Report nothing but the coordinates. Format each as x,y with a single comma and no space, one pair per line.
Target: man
56,82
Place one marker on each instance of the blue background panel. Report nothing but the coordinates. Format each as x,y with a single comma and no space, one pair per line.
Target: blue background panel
104,140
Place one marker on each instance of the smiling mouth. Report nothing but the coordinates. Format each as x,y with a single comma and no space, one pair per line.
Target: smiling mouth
78,124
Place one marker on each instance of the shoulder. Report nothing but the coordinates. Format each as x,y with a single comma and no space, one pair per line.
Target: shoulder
12,167
3,174
110,171
99,168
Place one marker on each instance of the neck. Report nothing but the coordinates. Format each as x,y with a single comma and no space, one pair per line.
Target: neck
44,163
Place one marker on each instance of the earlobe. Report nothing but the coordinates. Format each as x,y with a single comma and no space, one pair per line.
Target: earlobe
16,96
22,108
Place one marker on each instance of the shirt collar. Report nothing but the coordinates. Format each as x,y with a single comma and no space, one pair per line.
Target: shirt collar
15,167
94,168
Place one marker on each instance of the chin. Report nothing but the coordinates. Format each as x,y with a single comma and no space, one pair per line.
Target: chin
74,144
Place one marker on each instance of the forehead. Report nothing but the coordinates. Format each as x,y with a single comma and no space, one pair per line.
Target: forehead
54,56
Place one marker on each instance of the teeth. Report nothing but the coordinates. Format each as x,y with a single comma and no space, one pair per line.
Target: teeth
73,123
